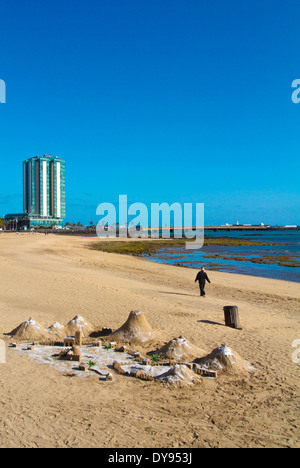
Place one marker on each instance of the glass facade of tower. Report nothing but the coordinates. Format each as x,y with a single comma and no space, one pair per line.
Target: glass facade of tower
44,189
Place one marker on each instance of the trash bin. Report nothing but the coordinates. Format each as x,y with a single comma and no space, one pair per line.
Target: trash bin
231,316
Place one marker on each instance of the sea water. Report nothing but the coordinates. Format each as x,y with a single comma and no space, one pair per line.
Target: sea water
288,244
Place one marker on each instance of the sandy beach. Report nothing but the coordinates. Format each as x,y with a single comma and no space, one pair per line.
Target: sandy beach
53,278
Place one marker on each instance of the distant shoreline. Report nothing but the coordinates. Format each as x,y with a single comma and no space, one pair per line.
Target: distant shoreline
91,231
144,247
231,254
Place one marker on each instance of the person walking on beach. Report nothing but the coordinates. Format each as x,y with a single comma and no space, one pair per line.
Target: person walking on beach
202,278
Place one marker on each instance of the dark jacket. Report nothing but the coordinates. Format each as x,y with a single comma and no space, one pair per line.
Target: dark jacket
202,278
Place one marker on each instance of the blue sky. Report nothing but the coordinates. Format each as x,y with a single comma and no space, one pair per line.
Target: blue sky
164,101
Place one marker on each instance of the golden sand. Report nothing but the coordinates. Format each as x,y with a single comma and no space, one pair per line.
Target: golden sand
54,278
